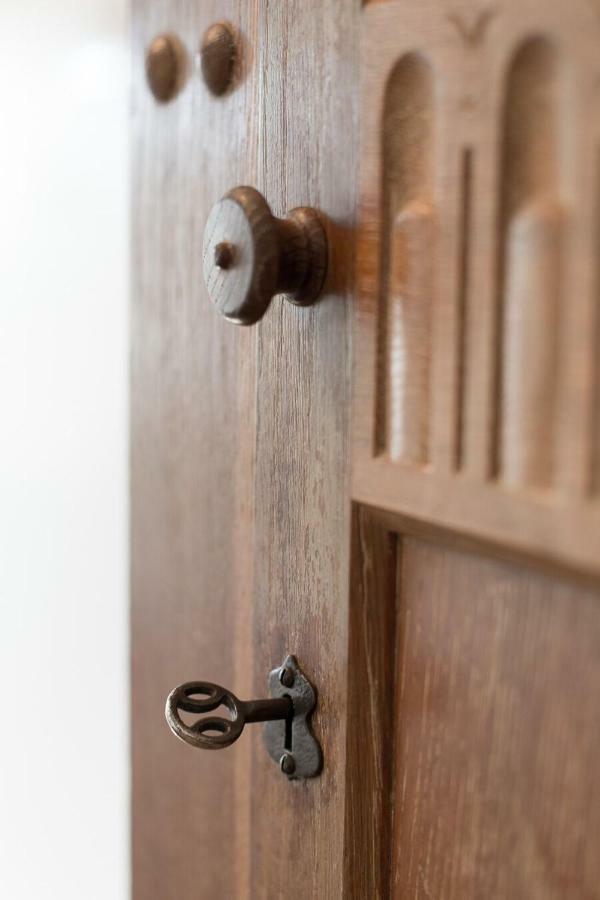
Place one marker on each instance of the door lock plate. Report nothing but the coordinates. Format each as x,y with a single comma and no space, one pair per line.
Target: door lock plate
291,742
286,714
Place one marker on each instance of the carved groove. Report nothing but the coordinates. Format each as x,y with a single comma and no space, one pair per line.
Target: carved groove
594,407
487,420
473,32
466,181
530,268
402,420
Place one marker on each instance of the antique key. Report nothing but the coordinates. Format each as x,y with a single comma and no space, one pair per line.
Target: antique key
288,736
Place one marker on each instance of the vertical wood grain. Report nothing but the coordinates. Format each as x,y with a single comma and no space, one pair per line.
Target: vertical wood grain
497,728
480,780
192,439
308,65
372,645
471,767
592,479
240,513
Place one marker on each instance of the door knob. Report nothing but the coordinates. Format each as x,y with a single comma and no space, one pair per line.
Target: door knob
286,714
250,255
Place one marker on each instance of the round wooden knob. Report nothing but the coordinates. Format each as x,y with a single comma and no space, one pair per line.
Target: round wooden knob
250,255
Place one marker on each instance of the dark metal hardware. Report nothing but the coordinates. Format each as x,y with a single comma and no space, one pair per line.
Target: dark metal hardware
216,732
295,749
288,735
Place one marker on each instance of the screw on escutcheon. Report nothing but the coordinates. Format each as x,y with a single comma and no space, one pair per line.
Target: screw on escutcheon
286,677
287,764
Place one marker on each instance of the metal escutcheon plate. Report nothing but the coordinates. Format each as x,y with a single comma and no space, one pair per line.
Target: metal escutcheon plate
292,744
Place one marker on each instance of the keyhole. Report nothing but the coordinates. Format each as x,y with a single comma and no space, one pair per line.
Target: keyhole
287,743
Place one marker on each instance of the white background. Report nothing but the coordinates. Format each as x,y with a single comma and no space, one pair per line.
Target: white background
64,780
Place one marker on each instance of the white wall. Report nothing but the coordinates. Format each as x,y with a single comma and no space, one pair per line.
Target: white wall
64,780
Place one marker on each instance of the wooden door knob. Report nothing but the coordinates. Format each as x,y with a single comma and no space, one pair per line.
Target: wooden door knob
250,255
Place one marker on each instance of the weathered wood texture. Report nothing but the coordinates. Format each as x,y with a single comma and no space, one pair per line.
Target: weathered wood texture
466,716
476,420
472,755
497,784
372,701
192,427
240,454
477,403
307,54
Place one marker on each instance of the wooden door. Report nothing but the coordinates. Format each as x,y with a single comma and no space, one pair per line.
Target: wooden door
399,484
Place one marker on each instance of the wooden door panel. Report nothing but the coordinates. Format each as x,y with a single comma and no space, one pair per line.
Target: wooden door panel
456,678
300,593
497,788
472,752
192,438
476,402
240,453
470,767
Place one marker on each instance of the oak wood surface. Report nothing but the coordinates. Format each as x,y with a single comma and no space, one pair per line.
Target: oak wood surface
192,444
240,454
475,426
371,751
455,709
497,786
476,402
471,767
309,65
